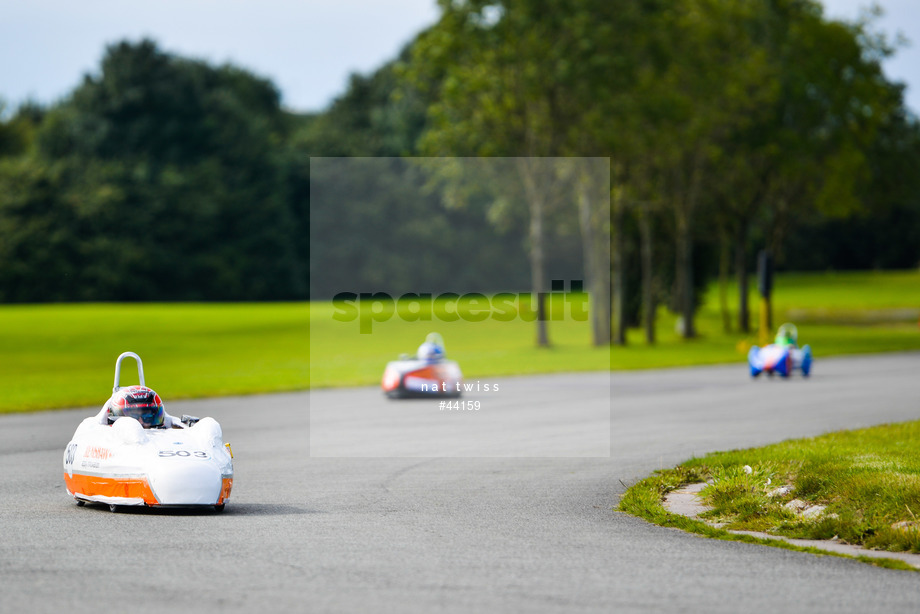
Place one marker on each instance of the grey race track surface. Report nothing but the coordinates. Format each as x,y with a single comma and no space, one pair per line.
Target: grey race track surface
449,534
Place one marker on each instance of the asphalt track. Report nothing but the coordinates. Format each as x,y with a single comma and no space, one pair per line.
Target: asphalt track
353,534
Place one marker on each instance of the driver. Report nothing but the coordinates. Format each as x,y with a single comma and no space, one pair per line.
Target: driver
140,403
786,335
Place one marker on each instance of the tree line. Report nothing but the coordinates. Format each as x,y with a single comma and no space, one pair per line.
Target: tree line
160,178
730,126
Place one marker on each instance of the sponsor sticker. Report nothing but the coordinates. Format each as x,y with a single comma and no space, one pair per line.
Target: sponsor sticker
97,452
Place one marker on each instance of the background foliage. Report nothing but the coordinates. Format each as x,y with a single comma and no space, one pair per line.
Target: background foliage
731,127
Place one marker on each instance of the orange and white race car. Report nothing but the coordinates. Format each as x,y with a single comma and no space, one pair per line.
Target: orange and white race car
426,374
133,453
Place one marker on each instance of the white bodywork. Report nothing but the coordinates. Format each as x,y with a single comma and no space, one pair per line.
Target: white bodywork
112,464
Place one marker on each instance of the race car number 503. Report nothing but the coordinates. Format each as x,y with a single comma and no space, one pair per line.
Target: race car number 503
184,454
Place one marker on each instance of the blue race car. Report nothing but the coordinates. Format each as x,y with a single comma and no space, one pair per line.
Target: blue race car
783,356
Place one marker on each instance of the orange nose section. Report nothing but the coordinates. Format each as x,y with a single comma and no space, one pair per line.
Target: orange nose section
225,491
93,485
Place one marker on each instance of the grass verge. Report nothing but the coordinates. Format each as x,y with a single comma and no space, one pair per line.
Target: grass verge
861,486
63,355
833,302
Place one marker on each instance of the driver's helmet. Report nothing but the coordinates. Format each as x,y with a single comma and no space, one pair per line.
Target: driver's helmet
138,402
787,335
433,348
430,352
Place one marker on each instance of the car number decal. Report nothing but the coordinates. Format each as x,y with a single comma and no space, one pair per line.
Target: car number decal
183,454
70,454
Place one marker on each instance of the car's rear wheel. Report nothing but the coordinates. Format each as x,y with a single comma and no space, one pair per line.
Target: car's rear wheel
113,508
220,507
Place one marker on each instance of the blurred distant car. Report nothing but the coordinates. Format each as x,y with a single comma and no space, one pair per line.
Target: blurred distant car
427,374
783,356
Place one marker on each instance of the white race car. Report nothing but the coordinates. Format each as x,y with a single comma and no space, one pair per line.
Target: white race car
134,453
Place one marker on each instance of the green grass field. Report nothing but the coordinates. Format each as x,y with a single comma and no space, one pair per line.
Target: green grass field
826,307
868,479
341,355
849,291
63,355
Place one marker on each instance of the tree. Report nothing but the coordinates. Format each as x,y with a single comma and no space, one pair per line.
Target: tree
804,148
502,75
169,172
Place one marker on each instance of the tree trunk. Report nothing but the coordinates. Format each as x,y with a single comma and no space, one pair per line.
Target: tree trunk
684,274
686,206
619,312
649,306
596,251
535,199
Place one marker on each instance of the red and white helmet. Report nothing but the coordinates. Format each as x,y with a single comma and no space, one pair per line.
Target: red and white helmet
138,402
